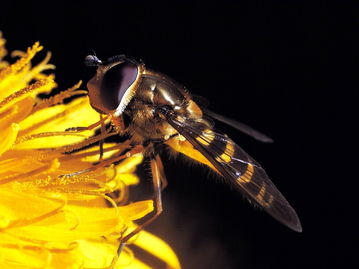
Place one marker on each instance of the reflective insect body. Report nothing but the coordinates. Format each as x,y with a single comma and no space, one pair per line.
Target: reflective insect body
154,110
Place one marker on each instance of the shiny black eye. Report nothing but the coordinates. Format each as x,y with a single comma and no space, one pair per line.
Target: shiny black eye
116,82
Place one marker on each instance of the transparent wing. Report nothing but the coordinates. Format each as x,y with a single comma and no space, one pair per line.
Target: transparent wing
244,128
237,167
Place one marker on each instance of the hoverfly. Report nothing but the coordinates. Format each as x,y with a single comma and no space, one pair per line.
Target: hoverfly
155,111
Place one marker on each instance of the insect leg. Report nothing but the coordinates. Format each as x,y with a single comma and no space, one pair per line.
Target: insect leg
90,127
103,129
157,172
135,150
161,170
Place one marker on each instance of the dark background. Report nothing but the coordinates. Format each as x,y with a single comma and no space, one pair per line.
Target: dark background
287,69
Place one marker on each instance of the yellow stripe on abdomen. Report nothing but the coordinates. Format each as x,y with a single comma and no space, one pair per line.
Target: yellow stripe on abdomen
187,149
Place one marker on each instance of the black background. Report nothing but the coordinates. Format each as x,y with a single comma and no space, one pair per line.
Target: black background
287,69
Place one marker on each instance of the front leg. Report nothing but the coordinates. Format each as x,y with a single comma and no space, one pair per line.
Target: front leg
90,127
133,151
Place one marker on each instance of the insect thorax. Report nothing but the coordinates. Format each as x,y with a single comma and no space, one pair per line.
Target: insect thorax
142,120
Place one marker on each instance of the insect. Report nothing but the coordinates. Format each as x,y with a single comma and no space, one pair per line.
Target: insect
155,111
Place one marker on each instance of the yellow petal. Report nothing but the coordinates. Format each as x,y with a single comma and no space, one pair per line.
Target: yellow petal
18,164
18,208
158,248
8,137
136,210
75,222
52,221
16,112
129,179
57,119
6,72
26,91
17,253
71,225
97,253
129,262
67,259
101,254
129,165
96,152
14,258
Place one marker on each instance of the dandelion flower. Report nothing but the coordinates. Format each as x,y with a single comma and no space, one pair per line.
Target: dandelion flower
48,220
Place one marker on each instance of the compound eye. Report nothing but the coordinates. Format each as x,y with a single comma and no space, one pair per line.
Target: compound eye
116,83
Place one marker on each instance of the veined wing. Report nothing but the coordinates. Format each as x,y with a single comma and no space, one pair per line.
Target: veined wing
244,128
235,165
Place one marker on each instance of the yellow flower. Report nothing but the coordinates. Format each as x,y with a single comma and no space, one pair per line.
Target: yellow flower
47,218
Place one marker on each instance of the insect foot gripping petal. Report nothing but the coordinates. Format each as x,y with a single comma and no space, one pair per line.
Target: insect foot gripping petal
157,173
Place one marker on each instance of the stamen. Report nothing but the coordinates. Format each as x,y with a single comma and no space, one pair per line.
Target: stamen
77,146
57,116
120,147
22,139
24,91
59,98
21,62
